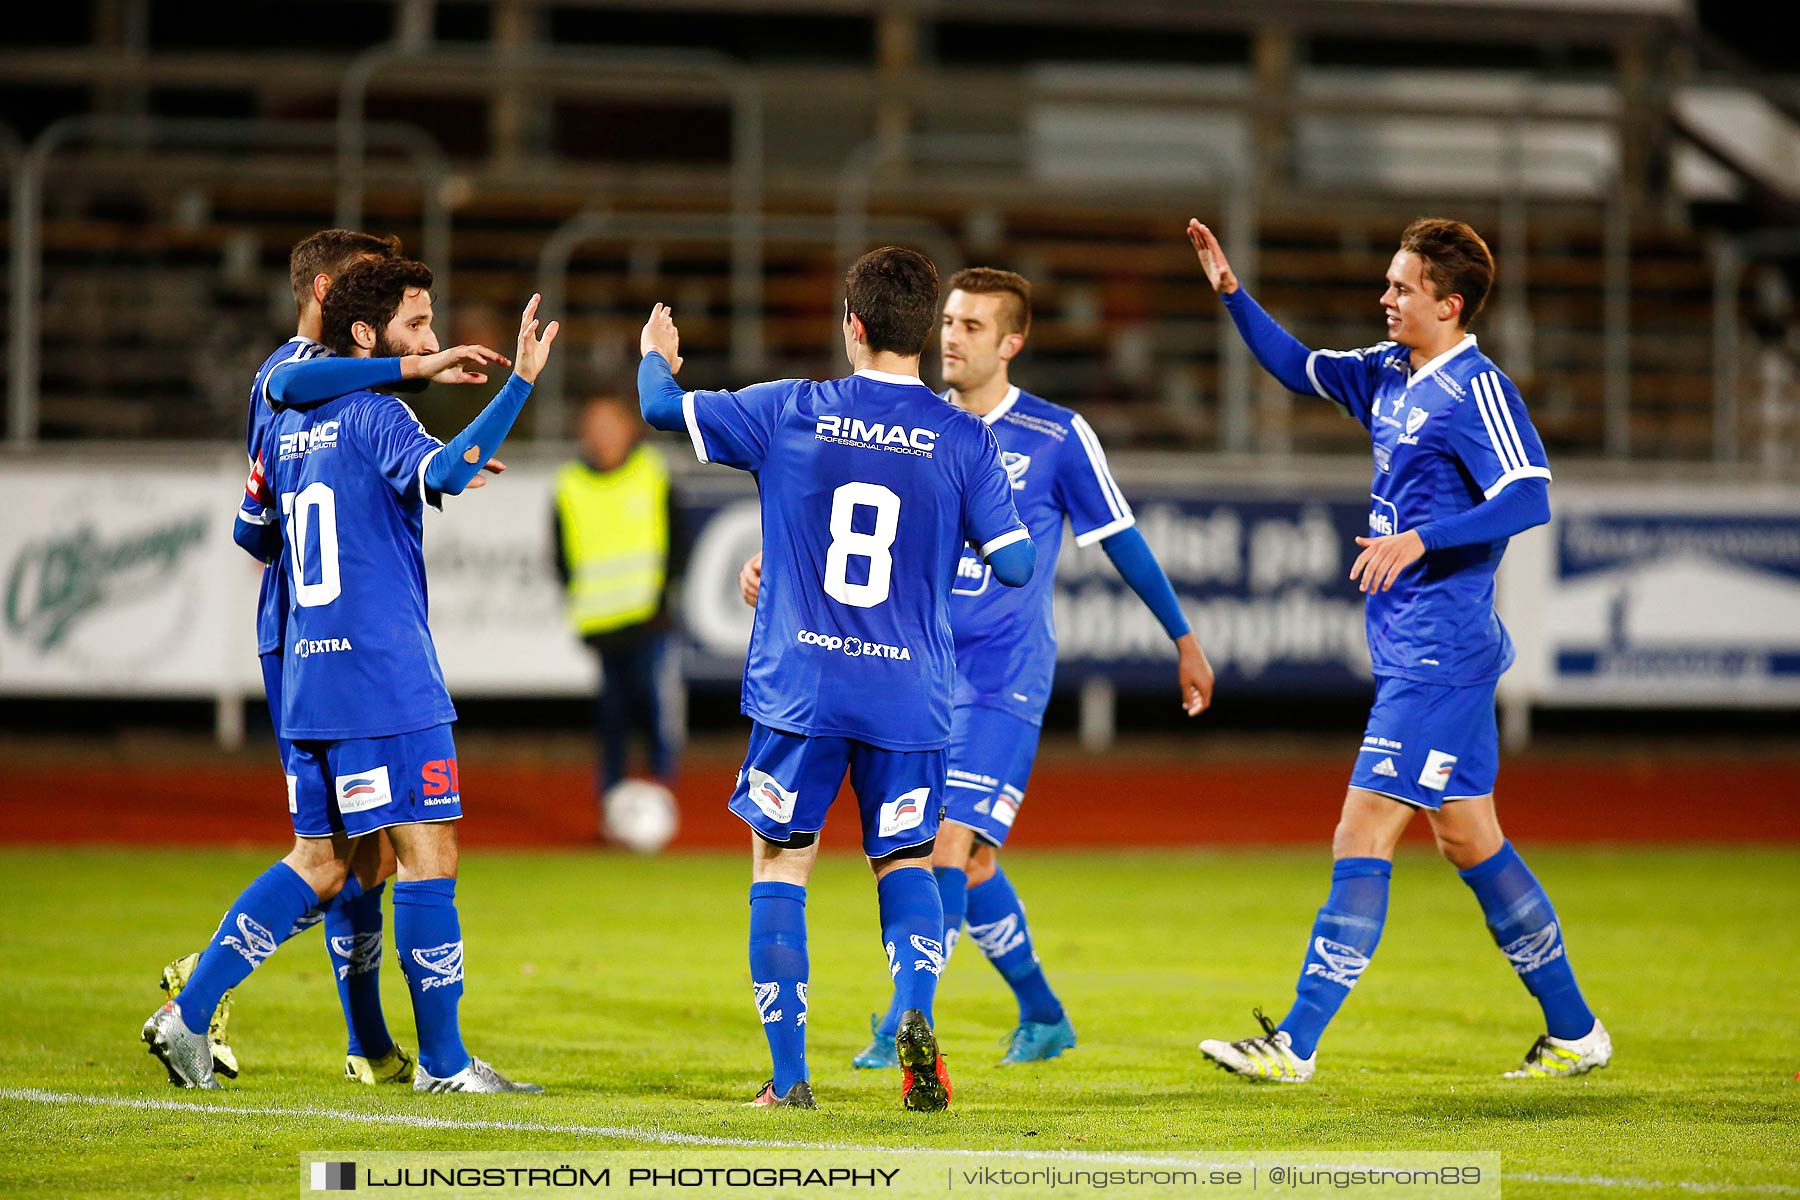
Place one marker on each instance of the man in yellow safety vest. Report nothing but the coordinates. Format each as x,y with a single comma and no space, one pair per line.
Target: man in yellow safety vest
618,544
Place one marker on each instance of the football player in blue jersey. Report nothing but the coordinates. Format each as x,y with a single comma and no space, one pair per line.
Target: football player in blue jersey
1006,644
1458,470
870,487
363,700
303,371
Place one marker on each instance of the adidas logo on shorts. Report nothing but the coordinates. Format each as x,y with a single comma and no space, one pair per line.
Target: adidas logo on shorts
1386,767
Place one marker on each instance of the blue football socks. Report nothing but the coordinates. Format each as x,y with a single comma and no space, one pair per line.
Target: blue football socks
997,925
1343,941
428,936
353,940
1525,926
953,894
262,918
912,931
779,971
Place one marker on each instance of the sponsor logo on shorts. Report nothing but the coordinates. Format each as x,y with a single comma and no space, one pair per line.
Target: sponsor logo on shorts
904,812
1006,806
1386,767
853,647
445,963
439,779
252,940
362,790
1436,774
293,783
776,802
1337,962
1534,950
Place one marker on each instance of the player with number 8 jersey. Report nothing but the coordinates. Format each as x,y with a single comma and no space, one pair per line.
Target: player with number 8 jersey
871,486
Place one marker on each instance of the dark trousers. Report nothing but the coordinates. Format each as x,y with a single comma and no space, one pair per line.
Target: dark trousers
631,698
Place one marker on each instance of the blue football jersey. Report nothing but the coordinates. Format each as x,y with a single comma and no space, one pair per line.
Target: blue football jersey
1446,437
348,480
272,598
1006,637
871,485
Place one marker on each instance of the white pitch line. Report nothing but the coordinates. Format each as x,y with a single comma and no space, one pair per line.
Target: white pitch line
665,1137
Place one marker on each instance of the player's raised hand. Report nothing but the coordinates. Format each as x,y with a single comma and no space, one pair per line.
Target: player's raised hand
492,466
1383,558
534,350
661,336
1212,258
458,364
750,579
1195,674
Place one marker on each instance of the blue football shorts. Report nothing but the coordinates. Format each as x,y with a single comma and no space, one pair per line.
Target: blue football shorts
359,785
991,752
789,781
1426,744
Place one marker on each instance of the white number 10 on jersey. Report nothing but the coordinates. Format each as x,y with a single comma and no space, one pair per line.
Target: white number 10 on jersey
315,506
874,546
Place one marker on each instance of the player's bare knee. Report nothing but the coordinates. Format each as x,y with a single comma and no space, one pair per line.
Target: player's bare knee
981,865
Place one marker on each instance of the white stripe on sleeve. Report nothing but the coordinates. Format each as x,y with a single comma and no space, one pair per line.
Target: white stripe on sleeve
1004,540
1084,540
1495,432
1314,376
693,426
1514,475
1115,499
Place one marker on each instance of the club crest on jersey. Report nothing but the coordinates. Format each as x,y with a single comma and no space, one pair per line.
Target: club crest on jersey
323,436
1415,418
357,954
904,812
1016,465
253,940
363,790
776,802
1337,962
1534,950
445,963
875,435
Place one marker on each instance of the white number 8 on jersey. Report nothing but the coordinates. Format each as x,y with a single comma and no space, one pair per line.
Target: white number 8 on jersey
846,544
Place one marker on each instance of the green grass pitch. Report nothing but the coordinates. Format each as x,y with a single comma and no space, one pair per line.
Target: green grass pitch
621,984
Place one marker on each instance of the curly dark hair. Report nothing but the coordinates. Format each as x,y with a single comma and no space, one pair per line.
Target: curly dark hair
894,291
332,252
369,291
1457,262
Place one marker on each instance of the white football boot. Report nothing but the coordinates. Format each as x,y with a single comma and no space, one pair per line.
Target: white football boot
1561,1058
476,1077
1270,1057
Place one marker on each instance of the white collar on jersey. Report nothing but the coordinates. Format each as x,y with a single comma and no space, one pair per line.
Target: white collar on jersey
1440,360
890,377
1005,406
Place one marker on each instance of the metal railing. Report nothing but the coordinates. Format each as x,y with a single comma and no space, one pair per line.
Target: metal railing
1731,258
588,72
141,131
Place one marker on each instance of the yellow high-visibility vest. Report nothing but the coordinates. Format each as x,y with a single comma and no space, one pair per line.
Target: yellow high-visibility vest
615,532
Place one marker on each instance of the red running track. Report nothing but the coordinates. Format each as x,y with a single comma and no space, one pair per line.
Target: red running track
1076,802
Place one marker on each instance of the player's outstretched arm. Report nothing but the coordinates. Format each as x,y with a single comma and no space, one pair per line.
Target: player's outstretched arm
1518,506
659,396
464,456
312,380
1132,557
1279,352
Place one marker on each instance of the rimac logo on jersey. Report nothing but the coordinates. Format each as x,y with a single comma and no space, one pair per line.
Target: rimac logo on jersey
776,801
904,812
323,436
359,791
874,435
853,647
